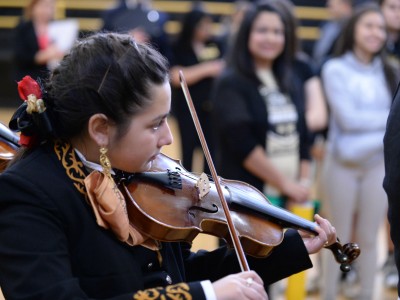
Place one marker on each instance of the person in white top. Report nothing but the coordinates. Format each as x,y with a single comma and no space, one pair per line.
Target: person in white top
359,84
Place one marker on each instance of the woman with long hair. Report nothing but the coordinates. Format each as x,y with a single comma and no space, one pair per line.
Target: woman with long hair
198,54
260,107
359,83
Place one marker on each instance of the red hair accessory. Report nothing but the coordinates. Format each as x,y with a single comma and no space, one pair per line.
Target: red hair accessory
28,86
29,90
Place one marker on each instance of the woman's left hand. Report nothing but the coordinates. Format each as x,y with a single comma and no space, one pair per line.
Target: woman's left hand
326,236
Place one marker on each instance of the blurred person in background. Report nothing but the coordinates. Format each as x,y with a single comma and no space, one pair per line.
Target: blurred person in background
391,12
316,115
231,23
315,109
141,21
260,107
197,52
339,11
33,48
359,82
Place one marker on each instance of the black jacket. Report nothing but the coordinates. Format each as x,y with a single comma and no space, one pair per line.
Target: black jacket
391,183
242,118
25,48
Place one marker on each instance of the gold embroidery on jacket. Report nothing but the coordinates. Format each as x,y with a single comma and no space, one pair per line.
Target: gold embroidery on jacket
149,294
73,167
178,291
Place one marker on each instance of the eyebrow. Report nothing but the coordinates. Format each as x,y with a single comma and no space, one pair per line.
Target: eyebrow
162,117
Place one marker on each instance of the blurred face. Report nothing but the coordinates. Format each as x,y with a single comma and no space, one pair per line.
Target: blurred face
43,10
147,134
267,38
391,12
369,34
203,30
339,9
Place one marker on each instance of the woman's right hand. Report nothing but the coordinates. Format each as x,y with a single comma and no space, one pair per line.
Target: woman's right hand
295,191
213,68
244,285
51,53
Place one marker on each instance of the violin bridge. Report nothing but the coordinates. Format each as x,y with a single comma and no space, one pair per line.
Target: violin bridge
203,185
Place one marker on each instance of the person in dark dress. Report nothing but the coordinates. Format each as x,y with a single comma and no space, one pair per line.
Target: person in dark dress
33,48
199,55
141,20
259,102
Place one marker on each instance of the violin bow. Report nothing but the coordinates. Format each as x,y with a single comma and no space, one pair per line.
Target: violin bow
233,233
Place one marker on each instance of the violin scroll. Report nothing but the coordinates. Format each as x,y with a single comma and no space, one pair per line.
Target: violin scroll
345,254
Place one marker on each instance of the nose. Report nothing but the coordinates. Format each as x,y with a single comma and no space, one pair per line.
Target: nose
166,138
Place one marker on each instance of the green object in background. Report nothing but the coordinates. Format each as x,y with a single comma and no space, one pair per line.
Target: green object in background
280,201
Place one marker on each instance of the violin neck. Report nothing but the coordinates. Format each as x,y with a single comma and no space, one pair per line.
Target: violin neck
275,214
9,135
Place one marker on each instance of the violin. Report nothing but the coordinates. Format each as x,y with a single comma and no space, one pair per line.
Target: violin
8,146
171,204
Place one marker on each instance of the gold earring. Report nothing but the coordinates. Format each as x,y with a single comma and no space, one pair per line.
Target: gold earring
105,162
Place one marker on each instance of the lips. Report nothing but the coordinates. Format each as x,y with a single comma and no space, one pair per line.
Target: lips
154,157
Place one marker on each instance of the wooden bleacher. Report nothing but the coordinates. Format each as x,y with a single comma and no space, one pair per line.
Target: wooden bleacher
88,13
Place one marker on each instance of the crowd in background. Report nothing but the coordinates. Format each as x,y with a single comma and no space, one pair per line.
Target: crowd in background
274,116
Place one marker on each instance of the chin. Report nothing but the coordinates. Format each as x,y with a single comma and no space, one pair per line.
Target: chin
147,166
136,168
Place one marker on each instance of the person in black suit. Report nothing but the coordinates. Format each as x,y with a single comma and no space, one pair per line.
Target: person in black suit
138,18
65,229
391,147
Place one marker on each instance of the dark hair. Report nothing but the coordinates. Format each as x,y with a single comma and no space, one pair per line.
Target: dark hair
346,41
189,24
240,57
291,22
104,73
107,73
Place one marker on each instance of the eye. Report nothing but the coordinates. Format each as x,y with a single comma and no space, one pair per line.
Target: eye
158,124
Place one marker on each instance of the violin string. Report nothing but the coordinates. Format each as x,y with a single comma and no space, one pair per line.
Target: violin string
239,191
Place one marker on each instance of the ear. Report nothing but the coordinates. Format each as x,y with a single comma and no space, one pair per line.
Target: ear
99,129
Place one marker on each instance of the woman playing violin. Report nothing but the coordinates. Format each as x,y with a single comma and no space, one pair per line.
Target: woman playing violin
64,229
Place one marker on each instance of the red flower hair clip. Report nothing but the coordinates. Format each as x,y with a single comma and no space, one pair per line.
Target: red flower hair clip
29,90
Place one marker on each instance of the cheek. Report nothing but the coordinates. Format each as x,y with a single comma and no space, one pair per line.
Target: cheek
360,37
138,154
127,160
122,155
281,43
252,43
